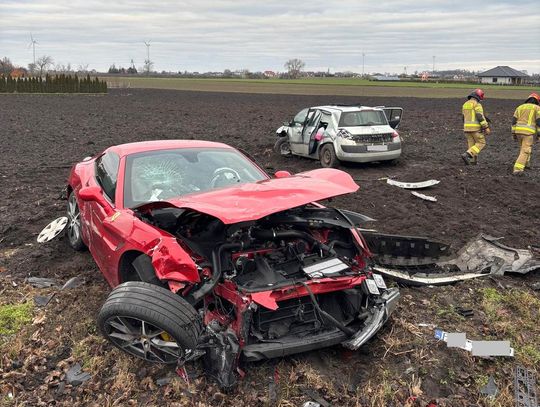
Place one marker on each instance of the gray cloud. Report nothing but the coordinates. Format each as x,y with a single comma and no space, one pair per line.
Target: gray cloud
214,35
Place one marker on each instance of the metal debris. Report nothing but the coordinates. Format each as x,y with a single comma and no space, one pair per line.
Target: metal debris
73,282
413,185
424,197
52,230
490,389
40,282
75,376
485,254
525,388
477,348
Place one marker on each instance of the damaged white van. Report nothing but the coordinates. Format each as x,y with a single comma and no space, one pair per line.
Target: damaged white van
335,133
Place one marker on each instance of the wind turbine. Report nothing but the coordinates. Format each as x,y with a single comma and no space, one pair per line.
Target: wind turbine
32,44
147,43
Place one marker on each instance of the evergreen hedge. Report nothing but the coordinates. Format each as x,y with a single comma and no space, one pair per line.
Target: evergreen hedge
52,84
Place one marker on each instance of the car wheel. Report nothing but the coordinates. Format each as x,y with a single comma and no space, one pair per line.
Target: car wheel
150,322
328,156
282,146
74,225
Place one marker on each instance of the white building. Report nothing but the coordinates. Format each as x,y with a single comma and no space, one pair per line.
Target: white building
503,75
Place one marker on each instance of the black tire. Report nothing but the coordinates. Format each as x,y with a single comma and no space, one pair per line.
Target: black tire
149,319
143,270
74,225
327,156
282,146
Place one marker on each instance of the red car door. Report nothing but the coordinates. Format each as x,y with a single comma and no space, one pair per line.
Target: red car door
102,244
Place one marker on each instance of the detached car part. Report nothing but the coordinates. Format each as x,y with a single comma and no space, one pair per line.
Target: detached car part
422,261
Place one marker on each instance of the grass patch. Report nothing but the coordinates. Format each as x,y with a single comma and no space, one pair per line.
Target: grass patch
319,86
14,316
513,315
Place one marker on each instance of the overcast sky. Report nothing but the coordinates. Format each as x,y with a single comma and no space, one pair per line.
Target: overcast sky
201,35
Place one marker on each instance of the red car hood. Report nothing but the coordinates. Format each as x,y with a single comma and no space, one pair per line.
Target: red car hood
253,201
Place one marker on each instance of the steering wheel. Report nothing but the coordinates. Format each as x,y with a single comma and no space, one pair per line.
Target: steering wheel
221,174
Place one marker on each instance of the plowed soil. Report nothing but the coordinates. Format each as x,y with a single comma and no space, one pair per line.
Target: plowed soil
41,136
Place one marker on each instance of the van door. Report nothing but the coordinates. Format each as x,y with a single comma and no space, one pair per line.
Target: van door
393,115
310,129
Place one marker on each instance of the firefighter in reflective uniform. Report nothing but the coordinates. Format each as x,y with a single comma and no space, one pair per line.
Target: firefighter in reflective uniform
475,126
525,127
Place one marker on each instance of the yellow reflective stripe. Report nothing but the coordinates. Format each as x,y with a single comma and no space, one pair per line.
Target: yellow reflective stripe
531,114
519,166
519,129
475,149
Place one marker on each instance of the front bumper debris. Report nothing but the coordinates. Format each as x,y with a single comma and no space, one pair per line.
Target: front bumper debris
378,316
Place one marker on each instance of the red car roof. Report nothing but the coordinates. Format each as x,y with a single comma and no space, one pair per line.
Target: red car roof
139,147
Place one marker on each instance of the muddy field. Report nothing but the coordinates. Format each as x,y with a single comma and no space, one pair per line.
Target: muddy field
42,135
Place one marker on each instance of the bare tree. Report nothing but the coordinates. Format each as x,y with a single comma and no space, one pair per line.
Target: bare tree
148,65
32,68
82,68
43,63
294,67
5,66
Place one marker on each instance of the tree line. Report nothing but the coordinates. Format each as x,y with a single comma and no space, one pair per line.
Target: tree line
52,84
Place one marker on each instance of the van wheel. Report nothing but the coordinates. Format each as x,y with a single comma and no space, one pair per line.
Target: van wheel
328,157
150,322
282,146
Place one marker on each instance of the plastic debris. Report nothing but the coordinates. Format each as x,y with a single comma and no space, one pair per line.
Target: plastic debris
52,230
413,185
482,256
40,282
424,197
490,389
311,404
525,388
75,376
465,312
43,300
73,282
163,381
477,348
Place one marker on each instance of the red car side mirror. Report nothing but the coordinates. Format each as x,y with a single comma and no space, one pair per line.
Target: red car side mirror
94,194
282,174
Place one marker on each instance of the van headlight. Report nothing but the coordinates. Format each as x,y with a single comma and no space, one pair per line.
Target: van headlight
345,134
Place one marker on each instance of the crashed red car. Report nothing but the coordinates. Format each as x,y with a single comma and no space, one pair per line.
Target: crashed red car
211,257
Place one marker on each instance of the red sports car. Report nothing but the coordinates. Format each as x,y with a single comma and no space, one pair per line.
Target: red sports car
211,257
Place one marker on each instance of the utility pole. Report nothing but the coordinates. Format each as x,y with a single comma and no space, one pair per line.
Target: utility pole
363,63
433,71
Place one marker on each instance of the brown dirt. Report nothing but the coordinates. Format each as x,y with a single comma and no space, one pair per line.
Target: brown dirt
42,135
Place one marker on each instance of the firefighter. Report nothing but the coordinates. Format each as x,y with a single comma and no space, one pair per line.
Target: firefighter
525,126
475,126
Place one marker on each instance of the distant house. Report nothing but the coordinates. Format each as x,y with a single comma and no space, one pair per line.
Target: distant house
19,73
269,74
385,78
503,75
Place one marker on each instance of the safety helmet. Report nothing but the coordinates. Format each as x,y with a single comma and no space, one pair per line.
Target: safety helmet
534,98
478,94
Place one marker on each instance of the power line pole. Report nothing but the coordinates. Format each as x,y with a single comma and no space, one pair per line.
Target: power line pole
363,63
433,71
